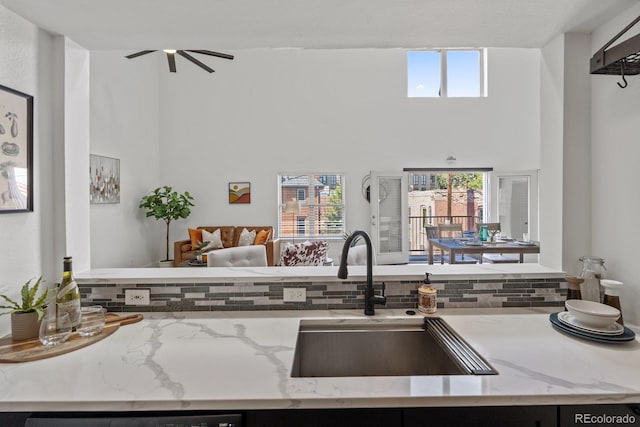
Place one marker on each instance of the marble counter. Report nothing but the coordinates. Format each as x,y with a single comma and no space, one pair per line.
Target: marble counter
309,274
242,360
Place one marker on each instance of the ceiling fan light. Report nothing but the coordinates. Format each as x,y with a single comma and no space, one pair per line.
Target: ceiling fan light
169,50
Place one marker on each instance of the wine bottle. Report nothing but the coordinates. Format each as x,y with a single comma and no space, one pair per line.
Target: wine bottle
68,297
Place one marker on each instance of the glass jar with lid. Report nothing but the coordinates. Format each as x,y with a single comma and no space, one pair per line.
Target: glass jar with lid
592,271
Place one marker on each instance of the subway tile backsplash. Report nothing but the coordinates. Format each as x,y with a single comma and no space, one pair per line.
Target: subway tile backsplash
481,293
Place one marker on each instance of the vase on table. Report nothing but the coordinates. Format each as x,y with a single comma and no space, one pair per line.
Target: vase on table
24,325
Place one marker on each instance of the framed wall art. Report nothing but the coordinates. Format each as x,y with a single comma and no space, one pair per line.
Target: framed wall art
239,192
104,184
16,151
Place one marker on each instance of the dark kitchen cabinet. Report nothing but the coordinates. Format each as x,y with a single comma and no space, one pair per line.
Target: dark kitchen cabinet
482,416
325,418
599,415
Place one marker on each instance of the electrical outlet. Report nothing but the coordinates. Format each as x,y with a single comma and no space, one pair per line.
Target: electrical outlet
294,294
136,297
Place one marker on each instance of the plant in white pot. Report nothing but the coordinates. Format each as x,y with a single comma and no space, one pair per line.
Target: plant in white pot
25,316
167,205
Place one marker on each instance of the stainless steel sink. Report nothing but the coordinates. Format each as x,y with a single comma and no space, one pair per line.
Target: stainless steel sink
388,347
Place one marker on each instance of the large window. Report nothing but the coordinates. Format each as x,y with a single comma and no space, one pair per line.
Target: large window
446,73
311,205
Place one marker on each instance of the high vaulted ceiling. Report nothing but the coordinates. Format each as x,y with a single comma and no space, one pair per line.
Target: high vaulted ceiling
237,24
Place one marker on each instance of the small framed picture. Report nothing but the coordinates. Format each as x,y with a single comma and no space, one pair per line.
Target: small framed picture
16,151
239,192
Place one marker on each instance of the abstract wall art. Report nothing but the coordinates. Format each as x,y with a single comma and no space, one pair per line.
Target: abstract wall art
104,185
239,192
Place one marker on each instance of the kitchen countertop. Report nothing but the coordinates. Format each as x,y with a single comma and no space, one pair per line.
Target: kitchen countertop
242,360
310,274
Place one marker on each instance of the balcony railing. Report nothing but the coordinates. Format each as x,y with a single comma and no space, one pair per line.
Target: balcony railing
418,233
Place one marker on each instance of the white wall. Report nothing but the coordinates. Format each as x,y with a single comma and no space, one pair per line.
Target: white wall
576,157
27,238
615,115
125,124
76,154
551,140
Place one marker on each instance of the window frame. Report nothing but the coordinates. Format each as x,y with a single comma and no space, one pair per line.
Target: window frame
482,72
313,227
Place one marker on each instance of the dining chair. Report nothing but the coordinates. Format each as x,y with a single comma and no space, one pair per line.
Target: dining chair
452,231
449,231
432,233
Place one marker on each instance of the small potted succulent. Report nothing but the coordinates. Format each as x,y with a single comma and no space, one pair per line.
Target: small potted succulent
167,205
25,316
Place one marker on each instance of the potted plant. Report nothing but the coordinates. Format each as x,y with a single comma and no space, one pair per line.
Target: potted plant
25,317
167,205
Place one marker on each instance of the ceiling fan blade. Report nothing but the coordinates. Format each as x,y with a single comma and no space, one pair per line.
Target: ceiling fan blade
171,57
212,53
142,52
195,61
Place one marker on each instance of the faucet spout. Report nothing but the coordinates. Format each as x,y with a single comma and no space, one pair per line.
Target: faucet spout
370,299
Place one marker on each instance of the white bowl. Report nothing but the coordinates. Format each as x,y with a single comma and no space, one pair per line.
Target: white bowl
592,313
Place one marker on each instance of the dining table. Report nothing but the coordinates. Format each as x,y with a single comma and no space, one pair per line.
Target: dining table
461,246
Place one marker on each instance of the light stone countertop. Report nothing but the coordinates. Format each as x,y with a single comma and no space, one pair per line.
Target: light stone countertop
309,274
242,360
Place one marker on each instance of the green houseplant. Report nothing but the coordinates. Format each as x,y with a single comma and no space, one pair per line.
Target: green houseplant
26,315
167,205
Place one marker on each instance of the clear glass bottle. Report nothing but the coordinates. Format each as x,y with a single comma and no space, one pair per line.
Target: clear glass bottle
592,271
68,296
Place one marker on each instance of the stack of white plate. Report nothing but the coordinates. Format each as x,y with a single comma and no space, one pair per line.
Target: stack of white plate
592,314
591,320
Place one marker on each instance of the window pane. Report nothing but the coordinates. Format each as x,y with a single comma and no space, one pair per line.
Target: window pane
463,73
423,74
319,211
455,197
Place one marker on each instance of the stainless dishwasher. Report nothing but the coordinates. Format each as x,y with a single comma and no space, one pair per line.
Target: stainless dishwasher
217,420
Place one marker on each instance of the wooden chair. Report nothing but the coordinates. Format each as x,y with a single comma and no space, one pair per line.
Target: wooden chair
432,233
452,231
449,231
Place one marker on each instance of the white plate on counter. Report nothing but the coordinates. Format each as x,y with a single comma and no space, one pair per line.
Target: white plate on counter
611,329
626,336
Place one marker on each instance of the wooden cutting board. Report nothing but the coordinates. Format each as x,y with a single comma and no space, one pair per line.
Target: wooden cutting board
32,349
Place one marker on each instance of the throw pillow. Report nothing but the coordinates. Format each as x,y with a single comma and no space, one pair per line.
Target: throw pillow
246,237
306,253
195,234
261,237
215,242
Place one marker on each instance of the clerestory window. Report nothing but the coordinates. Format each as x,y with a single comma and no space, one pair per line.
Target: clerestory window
446,73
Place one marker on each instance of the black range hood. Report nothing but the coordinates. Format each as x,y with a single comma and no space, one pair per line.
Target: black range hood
622,59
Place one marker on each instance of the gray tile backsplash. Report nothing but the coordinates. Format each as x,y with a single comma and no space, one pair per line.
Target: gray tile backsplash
481,293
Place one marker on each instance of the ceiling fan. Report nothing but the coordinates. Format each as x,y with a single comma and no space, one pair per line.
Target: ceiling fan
171,57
